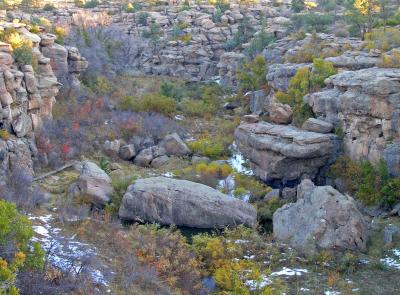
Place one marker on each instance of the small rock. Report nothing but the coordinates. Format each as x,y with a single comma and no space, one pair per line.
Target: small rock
316,125
144,158
160,161
127,152
174,146
253,118
280,113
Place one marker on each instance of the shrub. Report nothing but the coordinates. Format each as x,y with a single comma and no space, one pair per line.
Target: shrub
91,4
312,21
142,18
243,35
196,108
4,134
252,75
24,56
390,61
261,40
132,8
60,34
120,185
370,184
79,3
383,40
17,250
154,33
171,90
154,103
48,7
207,147
303,82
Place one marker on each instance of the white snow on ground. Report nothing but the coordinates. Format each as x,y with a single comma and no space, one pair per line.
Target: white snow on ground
66,253
393,261
290,272
258,284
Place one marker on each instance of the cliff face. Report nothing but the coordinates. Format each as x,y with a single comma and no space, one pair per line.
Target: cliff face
364,104
27,94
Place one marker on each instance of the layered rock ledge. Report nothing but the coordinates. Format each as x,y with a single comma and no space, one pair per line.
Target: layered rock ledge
281,155
365,105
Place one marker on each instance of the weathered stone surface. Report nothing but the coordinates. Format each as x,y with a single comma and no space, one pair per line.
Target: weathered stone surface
282,154
354,60
322,218
279,75
127,152
174,145
95,184
365,105
280,113
144,158
183,203
316,125
257,101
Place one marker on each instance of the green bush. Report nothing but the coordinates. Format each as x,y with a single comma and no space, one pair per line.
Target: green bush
168,89
154,33
91,4
142,18
207,147
195,108
49,7
252,75
243,35
154,103
120,185
370,184
312,21
304,82
15,243
24,56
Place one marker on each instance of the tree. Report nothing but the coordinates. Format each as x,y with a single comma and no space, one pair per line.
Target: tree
298,5
362,14
29,4
16,250
252,75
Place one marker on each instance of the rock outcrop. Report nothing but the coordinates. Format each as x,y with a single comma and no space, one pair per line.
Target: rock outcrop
27,95
322,218
365,105
281,155
93,184
183,203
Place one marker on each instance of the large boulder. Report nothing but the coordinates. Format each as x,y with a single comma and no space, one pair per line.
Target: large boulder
281,155
174,145
183,203
365,105
94,184
322,218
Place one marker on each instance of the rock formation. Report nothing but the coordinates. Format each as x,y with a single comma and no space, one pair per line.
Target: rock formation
365,105
93,184
183,203
27,95
322,218
282,155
